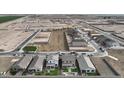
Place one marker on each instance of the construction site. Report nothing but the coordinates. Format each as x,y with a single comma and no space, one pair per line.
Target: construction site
9,40
76,43
61,45
57,42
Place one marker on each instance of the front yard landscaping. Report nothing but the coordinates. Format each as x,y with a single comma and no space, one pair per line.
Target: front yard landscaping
74,70
39,73
53,72
65,69
91,74
29,48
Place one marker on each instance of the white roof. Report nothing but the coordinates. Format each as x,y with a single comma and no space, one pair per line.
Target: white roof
53,58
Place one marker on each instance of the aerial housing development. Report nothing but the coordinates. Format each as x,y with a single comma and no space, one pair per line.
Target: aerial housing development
60,45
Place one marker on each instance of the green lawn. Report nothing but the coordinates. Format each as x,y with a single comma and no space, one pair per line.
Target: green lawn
39,73
8,18
53,72
65,69
92,74
29,48
12,72
74,70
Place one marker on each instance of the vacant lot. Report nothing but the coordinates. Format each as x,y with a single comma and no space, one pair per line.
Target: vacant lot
116,28
118,53
56,42
9,40
42,37
6,62
102,67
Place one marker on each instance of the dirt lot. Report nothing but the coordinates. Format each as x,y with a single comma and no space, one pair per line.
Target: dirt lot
5,63
57,42
10,39
119,65
116,28
42,37
102,67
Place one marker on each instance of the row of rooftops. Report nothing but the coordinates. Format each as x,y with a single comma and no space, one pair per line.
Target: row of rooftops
36,62
30,61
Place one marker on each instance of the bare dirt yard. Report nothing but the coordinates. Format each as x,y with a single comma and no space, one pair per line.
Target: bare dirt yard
9,40
119,54
6,63
57,42
102,67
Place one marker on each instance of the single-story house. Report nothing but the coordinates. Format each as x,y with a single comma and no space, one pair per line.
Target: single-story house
85,64
23,63
37,64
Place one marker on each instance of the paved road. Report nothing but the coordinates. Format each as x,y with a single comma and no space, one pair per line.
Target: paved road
107,34
97,51
23,44
16,52
83,35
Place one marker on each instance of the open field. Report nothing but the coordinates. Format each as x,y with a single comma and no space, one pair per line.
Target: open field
102,67
57,42
115,28
119,54
9,40
6,63
8,18
36,24
97,21
114,64
42,37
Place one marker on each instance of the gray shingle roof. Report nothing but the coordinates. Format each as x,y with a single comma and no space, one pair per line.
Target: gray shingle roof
37,62
68,57
24,62
85,63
